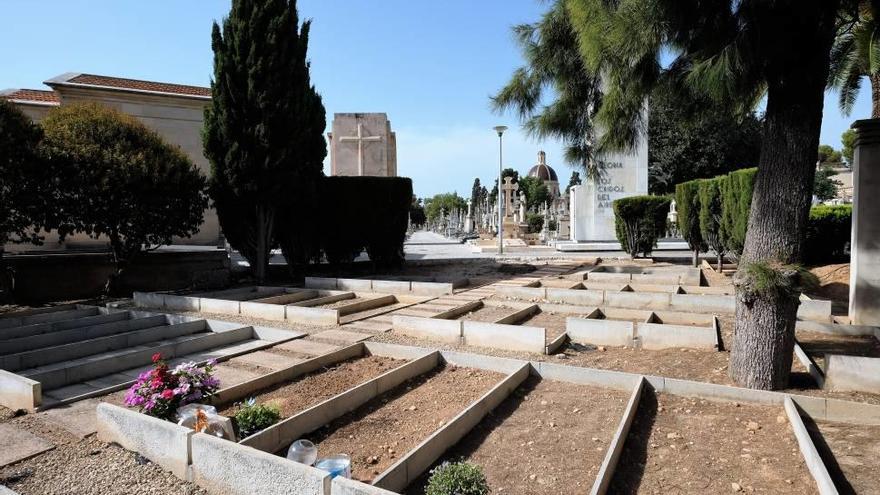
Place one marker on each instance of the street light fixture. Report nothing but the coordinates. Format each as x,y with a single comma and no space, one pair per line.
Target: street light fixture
500,130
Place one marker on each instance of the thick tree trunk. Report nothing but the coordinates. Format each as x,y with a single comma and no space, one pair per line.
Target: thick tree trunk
763,342
875,96
696,257
262,260
720,262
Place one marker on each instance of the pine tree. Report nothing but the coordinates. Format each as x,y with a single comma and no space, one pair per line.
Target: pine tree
264,131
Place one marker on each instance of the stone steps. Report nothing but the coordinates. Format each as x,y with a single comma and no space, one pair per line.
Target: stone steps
59,337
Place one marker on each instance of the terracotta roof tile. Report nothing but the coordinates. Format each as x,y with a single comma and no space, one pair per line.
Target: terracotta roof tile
137,85
34,95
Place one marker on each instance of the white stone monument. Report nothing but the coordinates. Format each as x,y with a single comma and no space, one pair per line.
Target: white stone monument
864,284
591,210
362,144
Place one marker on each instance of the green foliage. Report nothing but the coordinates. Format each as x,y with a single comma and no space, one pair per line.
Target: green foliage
687,201
375,220
709,192
555,70
442,204
252,417
264,132
774,280
855,55
639,221
120,180
535,221
28,188
736,204
417,214
824,187
829,231
536,192
829,156
575,180
457,478
848,138
693,138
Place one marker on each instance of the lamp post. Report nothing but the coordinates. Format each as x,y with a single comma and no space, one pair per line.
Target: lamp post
500,130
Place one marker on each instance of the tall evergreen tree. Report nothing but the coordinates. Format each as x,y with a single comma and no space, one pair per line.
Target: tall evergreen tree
264,131
575,180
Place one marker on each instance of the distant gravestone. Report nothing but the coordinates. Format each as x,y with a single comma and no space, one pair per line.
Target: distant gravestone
362,144
591,208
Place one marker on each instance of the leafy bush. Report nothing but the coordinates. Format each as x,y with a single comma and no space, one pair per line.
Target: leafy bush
457,478
710,214
687,201
252,417
639,221
161,391
829,230
736,203
535,221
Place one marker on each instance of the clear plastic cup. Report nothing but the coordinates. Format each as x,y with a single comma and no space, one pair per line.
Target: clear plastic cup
336,465
303,451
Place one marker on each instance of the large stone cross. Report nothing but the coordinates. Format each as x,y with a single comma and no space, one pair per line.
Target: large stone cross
360,139
507,190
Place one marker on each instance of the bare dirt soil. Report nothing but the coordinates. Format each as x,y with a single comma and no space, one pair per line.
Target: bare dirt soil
554,323
378,433
685,445
855,448
488,314
310,389
547,438
818,344
833,285
86,466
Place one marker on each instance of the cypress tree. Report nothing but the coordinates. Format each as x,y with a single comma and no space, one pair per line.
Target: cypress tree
736,203
264,131
687,201
709,191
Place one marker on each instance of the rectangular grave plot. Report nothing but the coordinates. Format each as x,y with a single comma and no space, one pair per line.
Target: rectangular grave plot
312,388
554,323
691,445
378,433
558,432
487,314
850,453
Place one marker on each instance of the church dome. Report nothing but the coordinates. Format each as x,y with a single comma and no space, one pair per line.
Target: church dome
543,171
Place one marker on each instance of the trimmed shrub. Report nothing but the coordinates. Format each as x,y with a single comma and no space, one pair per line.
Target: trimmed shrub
687,201
457,478
535,221
829,230
710,214
736,203
252,417
364,213
639,221
120,181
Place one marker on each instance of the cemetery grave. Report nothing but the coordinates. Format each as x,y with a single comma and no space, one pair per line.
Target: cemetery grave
377,433
65,354
547,437
850,452
692,445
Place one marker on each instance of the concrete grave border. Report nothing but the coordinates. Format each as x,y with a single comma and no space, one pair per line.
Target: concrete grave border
811,456
615,447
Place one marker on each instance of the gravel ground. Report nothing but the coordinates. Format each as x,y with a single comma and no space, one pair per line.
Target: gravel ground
85,467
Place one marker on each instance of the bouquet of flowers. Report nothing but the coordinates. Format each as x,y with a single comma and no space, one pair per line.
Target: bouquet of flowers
160,391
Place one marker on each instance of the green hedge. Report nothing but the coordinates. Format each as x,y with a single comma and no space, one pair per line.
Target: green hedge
710,213
364,213
828,233
687,201
736,197
639,221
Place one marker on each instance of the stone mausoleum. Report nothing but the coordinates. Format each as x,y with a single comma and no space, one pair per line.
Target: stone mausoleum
362,144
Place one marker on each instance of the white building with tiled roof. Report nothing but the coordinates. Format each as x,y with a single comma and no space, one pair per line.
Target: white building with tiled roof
174,111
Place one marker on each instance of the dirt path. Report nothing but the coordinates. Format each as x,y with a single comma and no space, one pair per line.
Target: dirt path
378,433
547,438
687,445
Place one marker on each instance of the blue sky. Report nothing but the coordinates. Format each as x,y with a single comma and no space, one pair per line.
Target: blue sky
430,66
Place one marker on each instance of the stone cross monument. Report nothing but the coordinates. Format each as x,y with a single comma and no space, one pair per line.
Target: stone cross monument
362,144
508,189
